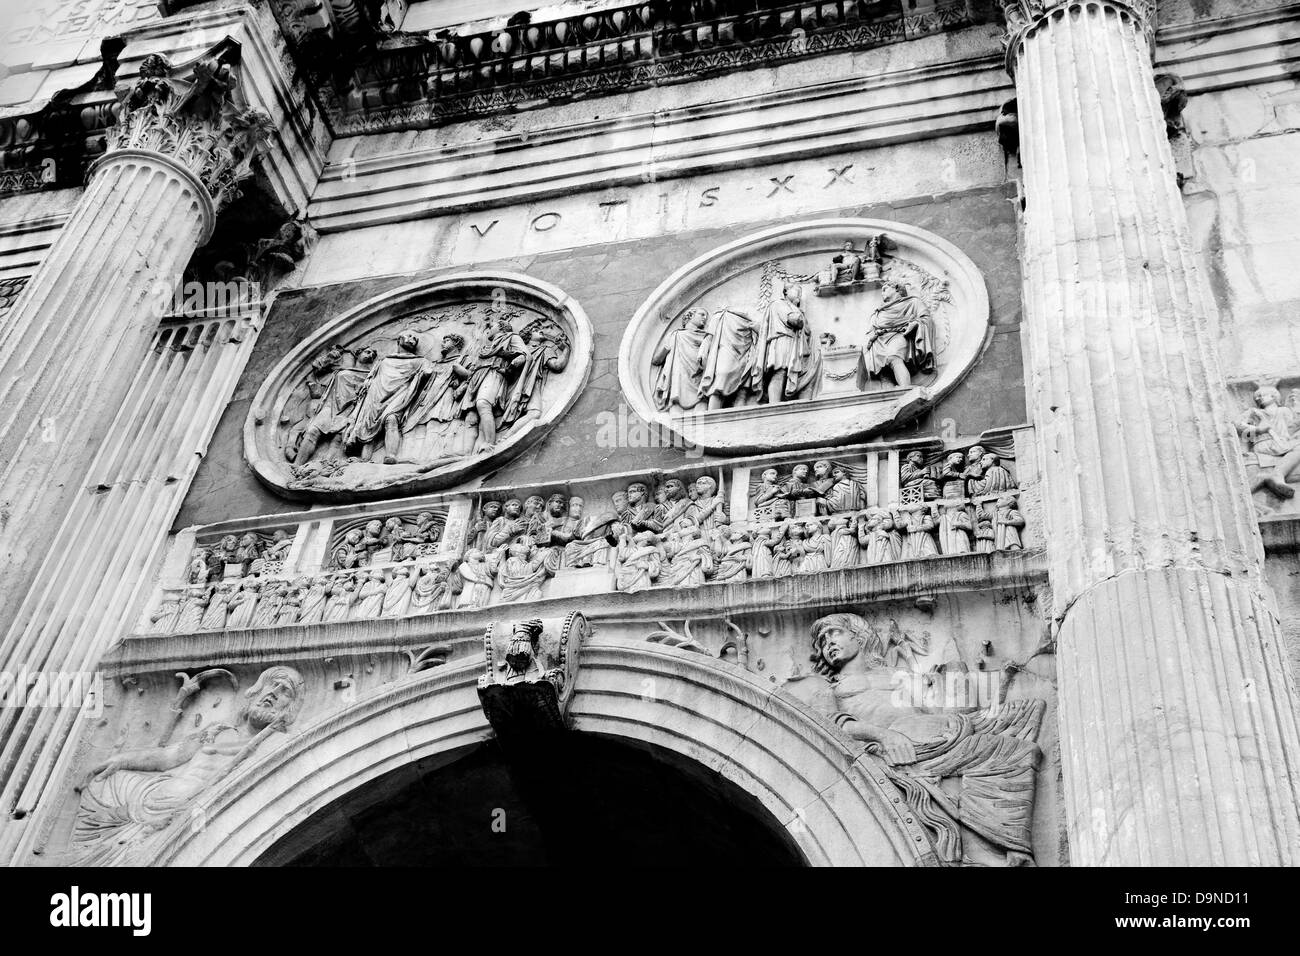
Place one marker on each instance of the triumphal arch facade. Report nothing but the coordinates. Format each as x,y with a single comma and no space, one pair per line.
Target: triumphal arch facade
858,432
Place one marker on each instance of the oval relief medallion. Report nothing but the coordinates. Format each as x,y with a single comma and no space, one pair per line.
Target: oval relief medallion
419,388
805,334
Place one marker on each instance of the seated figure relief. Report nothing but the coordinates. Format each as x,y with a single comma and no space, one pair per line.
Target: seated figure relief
967,774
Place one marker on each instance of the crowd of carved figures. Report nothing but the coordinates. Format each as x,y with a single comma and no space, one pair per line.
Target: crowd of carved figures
448,386
806,518
736,356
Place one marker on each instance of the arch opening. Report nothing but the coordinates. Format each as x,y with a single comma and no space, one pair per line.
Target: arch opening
579,799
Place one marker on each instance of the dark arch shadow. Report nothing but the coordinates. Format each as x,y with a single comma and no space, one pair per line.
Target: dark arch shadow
570,800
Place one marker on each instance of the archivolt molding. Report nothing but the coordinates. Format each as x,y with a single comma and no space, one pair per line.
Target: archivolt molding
835,802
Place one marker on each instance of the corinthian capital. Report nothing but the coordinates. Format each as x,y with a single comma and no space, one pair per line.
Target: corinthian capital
1025,16
195,117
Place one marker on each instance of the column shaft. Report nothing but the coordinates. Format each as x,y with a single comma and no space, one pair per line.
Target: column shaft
1178,715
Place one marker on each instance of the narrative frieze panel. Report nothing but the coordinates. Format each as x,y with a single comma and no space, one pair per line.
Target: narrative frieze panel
783,516
419,388
803,334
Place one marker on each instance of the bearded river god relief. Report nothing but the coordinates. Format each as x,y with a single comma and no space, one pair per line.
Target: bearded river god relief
805,334
419,388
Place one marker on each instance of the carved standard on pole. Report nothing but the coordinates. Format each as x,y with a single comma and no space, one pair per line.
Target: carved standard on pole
77,338
1178,714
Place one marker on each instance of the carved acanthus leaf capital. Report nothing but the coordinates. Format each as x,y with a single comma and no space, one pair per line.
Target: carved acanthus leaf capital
1023,16
196,118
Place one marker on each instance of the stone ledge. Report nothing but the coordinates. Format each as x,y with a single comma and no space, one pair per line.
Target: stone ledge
462,630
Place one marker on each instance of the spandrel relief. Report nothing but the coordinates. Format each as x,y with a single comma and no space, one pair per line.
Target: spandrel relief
802,334
134,793
419,388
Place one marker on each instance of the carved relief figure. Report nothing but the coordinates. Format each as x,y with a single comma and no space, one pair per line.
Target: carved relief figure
915,480
690,561
1270,430
477,572
679,362
499,360
985,813
334,408
901,337
138,792
790,361
391,391
397,593
546,351
524,569
1007,522
878,536
732,361
639,559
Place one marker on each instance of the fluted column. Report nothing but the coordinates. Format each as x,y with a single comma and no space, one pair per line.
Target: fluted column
72,343
1178,714
70,350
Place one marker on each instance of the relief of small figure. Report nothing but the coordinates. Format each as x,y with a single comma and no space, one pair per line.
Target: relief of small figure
1270,429
278,549
690,562
763,560
271,600
638,560
433,590
984,534
315,598
879,536
214,618
678,359
958,529
844,548
770,502
397,592
524,570
918,525
477,573
291,607
194,605
243,604
164,617
342,593
369,603
1007,523
916,482
901,337
817,549
733,553
994,478
249,550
